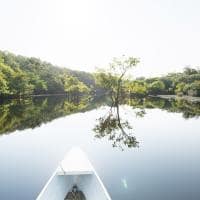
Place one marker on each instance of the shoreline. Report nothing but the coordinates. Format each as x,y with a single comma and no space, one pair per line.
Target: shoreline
188,98
30,96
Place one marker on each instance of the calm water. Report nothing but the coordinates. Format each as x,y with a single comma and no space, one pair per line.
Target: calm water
36,134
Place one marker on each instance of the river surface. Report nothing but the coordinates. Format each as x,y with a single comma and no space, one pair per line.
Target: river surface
164,165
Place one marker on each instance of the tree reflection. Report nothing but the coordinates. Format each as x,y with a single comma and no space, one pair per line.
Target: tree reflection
116,129
30,113
120,132
114,80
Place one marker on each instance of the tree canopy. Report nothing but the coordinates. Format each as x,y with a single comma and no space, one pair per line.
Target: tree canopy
21,76
113,77
185,83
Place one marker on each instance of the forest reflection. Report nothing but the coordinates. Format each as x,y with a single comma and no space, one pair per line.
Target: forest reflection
188,109
31,113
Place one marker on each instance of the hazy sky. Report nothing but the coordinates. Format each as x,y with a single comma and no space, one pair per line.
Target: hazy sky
82,34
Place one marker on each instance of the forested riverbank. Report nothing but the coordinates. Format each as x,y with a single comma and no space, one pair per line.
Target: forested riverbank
183,83
23,77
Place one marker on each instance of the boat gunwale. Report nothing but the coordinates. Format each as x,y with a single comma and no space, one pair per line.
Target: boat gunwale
90,172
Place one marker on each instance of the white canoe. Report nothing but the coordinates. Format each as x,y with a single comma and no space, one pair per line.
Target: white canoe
75,168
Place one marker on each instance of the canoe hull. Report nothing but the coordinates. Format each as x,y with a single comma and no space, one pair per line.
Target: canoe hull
61,183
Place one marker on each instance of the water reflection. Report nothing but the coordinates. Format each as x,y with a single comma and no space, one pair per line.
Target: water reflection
188,109
119,131
30,113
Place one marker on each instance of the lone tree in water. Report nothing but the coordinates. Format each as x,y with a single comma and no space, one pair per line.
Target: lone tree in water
111,79
111,125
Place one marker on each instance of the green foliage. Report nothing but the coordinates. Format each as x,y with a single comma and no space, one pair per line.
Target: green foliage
193,89
40,86
190,71
137,88
22,76
3,84
186,83
112,79
106,80
6,77
21,84
157,87
180,89
73,86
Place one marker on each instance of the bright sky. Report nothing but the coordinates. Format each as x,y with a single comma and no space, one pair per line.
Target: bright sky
84,34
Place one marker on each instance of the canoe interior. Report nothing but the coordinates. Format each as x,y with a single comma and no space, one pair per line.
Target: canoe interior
59,185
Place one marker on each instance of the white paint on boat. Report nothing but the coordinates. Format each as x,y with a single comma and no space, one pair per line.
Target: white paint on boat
75,168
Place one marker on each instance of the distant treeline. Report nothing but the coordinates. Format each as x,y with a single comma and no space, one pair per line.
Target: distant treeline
21,76
185,83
